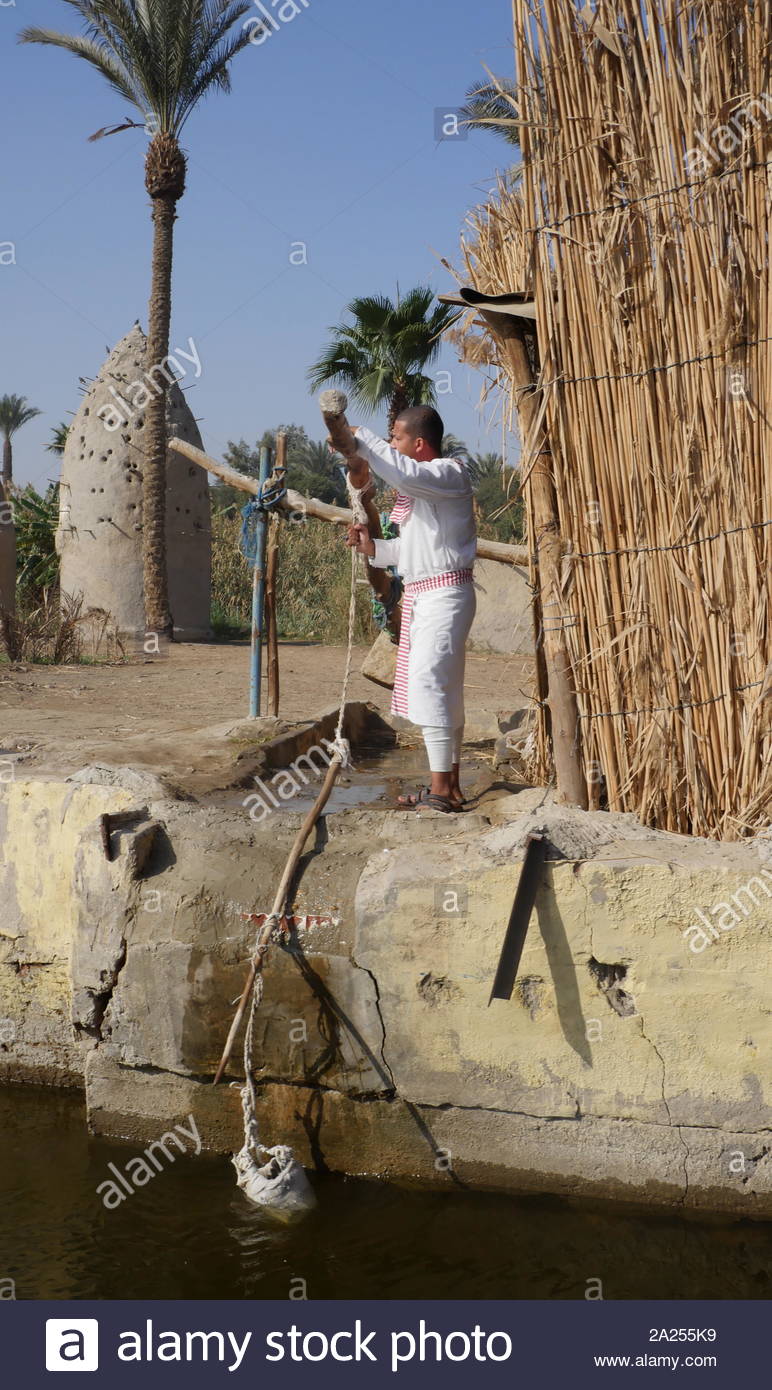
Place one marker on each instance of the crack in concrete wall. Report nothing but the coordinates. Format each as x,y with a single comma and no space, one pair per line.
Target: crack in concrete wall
666,1104
402,1059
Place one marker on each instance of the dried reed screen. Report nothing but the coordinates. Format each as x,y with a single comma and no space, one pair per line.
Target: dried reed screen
643,225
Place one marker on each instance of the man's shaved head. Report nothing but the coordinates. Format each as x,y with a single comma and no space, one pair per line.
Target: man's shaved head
423,422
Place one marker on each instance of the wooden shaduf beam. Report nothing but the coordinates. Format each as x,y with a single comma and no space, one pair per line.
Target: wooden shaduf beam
325,511
333,406
561,693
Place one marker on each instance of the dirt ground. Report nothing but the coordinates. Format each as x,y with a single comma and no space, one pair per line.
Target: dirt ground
175,715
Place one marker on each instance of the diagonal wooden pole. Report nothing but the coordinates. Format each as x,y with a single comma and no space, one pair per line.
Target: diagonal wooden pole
325,511
279,904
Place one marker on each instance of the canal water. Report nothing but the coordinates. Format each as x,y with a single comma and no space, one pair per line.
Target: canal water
191,1234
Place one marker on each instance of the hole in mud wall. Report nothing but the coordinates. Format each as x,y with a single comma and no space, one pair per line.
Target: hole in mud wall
609,980
530,992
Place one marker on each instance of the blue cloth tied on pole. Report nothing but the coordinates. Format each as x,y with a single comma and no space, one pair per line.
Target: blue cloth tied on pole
269,496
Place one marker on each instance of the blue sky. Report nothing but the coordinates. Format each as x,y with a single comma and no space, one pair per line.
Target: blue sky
328,138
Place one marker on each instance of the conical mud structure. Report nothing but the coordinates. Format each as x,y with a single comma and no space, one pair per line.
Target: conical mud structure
99,537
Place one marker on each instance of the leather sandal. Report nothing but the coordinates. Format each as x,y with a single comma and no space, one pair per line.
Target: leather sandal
424,797
441,803
410,800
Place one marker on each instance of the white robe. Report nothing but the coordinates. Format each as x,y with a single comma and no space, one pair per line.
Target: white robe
437,538
439,626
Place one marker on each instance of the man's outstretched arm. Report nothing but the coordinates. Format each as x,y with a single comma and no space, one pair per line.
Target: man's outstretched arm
429,478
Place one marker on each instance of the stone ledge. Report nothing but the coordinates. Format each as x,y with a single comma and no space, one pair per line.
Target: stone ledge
391,1139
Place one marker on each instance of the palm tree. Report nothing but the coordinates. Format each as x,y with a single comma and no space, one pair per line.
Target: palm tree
455,448
58,439
491,106
499,502
318,474
14,412
161,56
37,516
380,358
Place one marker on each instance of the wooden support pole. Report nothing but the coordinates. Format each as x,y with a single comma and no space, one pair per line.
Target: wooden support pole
272,634
271,571
561,693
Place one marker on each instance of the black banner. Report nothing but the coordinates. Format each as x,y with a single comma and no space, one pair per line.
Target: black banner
397,1344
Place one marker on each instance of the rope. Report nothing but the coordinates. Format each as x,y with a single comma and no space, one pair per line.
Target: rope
268,496
248,1095
252,1142
356,496
663,549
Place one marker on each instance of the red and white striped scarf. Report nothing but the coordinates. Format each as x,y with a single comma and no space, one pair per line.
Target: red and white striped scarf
403,506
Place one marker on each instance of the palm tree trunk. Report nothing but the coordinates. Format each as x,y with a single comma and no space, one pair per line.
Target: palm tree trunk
398,403
7,554
156,582
7,463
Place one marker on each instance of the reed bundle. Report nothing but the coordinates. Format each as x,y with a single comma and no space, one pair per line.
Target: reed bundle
642,226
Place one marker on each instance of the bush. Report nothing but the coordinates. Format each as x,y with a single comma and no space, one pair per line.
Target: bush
56,631
35,517
313,583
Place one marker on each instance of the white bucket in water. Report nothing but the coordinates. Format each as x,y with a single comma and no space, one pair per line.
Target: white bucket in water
279,1185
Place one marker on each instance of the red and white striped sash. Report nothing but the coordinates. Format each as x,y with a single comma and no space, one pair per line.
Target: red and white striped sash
448,580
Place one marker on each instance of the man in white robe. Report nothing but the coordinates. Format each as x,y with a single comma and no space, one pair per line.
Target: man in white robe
435,555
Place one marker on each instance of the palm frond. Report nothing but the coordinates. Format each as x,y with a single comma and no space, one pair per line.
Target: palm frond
14,413
94,53
493,106
383,352
162,56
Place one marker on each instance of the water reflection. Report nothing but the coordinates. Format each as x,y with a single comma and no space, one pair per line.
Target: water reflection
190,1234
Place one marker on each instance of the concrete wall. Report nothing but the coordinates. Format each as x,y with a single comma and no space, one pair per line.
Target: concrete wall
99,537
504,618
626,1065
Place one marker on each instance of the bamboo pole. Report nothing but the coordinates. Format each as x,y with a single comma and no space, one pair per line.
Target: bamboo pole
296,503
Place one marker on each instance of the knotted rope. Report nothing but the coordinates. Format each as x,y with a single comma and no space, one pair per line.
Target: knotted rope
356,495
272,1177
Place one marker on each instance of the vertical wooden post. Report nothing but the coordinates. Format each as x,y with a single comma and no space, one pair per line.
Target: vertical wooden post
561,694
258,596
272,562
271,571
